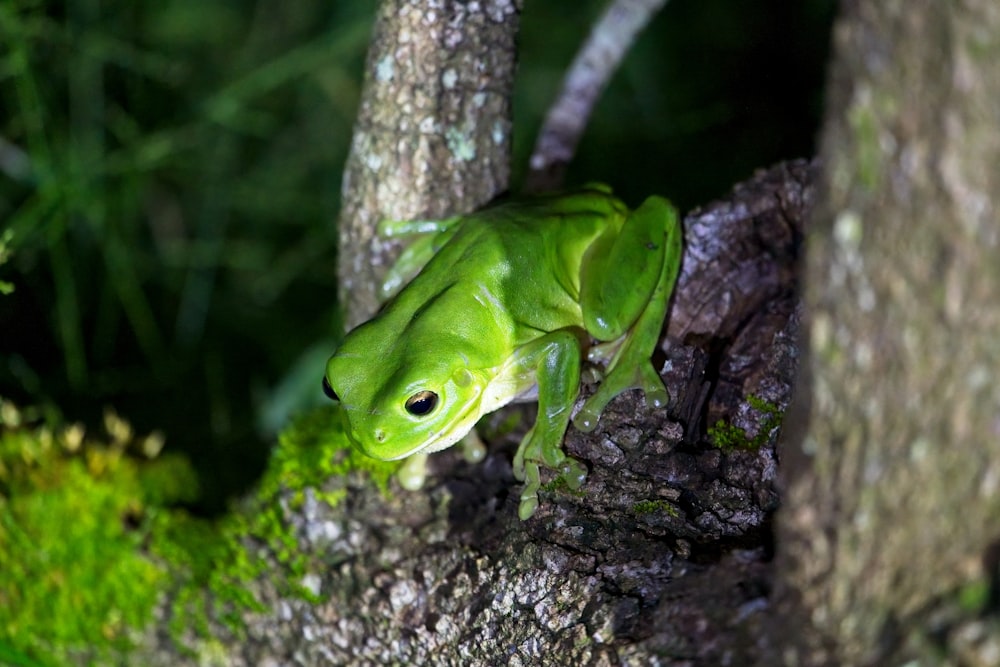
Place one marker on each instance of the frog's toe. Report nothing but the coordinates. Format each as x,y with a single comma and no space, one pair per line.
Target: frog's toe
653,389
586,419
473,449
529,497
527,507
413,472
520,455
573,473
656,397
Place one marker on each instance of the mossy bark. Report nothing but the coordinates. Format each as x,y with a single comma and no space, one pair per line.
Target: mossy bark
433,134
893,493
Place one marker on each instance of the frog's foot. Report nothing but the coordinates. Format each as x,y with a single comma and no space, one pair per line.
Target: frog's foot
413,472
591,375
603,353
526,470
531,454
573,473
473,449
521,454
643,377
529,497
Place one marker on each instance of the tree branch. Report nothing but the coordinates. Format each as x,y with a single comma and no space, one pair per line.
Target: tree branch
433,133
662,555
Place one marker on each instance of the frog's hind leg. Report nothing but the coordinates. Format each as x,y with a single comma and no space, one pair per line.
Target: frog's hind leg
631,368
650,239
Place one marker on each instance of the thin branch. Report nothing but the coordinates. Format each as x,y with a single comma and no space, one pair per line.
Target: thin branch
597,60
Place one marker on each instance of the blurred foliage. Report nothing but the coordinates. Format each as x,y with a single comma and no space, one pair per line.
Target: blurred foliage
170,171
5,237
170,174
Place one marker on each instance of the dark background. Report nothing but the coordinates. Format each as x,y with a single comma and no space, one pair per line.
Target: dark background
170,171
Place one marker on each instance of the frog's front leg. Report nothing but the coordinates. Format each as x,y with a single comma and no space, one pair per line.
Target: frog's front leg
413,472
625,308
430,236
555,361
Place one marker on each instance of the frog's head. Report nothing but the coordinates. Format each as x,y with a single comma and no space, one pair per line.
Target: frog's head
398,404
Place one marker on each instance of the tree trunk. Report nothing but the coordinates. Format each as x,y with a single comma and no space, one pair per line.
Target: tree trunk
664,553
893,493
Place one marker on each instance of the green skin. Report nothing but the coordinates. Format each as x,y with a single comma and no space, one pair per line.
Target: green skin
508,301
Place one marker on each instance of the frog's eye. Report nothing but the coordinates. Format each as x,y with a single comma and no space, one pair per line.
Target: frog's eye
328,390
421,403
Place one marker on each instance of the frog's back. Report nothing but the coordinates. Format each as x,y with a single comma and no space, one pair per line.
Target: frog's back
508,273
529,253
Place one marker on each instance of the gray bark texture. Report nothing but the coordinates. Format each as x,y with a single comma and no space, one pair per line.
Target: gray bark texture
433,134
892,502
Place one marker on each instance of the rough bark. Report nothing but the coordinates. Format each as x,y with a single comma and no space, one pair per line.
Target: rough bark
433,133
893,495
663,555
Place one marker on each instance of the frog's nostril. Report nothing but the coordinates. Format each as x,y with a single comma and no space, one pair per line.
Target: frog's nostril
380,435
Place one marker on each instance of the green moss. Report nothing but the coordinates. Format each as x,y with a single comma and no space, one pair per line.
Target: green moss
559,485
729,437
75,516
654,507
91,540
311,451
974,596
